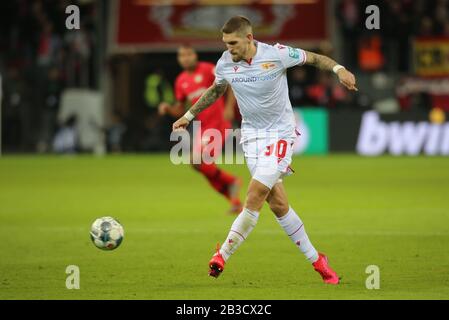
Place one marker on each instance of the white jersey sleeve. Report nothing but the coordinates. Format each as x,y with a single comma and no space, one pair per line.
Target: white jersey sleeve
289,56
219,74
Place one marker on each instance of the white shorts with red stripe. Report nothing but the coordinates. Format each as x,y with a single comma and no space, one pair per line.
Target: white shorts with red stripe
269,158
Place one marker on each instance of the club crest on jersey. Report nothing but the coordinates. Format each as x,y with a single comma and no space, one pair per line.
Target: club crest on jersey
198,78
236,68
293,53
267,65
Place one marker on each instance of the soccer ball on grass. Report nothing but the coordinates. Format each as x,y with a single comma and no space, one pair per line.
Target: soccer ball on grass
106,233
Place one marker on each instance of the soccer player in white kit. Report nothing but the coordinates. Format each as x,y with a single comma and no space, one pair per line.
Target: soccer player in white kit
257,74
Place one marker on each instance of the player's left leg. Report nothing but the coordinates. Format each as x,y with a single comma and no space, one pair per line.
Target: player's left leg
294,228
290,221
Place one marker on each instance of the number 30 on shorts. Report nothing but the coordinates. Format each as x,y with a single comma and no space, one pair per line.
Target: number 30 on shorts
281,149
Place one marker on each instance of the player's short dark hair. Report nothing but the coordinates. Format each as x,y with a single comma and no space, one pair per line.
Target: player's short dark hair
239,24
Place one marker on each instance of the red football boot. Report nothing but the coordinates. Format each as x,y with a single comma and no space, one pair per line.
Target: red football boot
323,268
216,264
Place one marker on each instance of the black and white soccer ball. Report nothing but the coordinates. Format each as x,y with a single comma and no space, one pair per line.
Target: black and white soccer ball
107,233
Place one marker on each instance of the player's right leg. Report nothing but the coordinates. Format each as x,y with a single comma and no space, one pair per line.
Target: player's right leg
265,171
242,226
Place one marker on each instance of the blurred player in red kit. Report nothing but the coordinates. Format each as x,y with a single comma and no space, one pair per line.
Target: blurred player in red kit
189,86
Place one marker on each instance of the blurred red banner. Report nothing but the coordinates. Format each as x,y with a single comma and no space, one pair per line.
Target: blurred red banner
140,23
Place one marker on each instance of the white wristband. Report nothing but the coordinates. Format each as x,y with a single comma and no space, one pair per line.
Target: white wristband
189,116
337,68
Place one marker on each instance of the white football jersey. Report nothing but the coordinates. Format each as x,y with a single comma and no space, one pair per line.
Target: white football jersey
260,87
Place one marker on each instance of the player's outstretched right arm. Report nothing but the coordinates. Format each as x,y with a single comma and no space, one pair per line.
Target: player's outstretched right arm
214,92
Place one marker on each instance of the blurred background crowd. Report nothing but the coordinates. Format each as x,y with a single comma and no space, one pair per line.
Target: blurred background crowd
40,60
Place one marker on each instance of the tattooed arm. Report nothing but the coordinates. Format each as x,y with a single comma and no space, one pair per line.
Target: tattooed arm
214,92
327,64
320,61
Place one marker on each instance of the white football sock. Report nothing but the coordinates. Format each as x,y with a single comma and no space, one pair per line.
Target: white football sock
240,229
295,230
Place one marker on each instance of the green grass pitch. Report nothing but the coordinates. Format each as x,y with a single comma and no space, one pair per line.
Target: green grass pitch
385,211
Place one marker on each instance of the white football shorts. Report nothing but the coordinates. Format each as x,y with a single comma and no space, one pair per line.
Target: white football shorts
268,158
